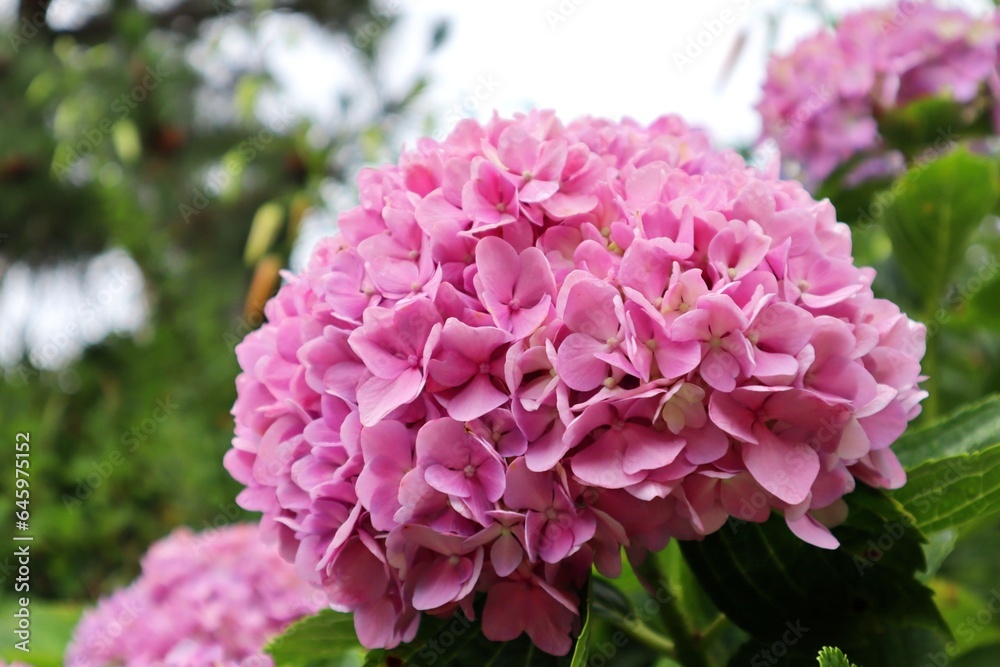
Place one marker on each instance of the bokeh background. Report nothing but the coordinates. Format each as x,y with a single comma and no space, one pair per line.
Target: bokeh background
161,161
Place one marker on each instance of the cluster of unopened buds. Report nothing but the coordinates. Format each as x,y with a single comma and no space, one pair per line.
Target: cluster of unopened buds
534,344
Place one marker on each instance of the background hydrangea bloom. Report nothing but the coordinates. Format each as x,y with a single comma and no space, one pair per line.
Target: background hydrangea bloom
534,344
821,102
202,599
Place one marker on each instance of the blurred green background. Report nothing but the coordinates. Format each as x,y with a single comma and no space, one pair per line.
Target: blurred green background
154,179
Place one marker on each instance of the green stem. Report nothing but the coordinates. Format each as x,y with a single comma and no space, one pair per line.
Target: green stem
687,646
645,635
710,633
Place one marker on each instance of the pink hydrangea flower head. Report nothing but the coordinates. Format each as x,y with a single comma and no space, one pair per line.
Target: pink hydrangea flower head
821,101
622,336
214,598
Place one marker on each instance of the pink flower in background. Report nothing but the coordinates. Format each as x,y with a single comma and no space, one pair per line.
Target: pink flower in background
822,101
615,335
214,598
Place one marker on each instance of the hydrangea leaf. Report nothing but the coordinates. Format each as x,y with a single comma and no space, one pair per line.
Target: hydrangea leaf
931,123
325,639
863,597
833,657
953,468
934,209
963,608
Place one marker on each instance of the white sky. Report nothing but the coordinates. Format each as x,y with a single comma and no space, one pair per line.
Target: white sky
600,57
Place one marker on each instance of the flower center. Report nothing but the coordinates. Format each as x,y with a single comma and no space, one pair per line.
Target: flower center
501,207
484,368
514,304
470,470
551,514
413,361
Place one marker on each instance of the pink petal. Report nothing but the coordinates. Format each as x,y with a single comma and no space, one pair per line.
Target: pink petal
377,397
812,531
786,470
577,366
498,265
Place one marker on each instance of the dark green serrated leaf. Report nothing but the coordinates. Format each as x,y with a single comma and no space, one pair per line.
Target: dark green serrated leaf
953,468
862,597
319,640
934,209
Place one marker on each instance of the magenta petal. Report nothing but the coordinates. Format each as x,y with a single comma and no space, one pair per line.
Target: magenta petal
475,399
602,464
440,583
732,416
506,554
812,531
498,265
526,320
452,482
576,364
377,397
787,471
649,450
535,279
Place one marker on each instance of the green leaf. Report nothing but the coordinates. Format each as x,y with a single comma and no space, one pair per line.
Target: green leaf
933,122
52,626
833,657
325,639
970,616
264,230
953,468
862,597
581,648
933,210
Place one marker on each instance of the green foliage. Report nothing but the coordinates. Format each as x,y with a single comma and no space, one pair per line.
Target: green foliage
794,598
953,468
110,145
326,639
52,626
833,657
933,215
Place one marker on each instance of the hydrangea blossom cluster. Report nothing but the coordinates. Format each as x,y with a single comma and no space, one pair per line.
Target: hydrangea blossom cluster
534,344
208,599
821,102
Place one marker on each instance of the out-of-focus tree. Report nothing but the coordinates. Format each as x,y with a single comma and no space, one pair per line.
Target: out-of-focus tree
161,129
